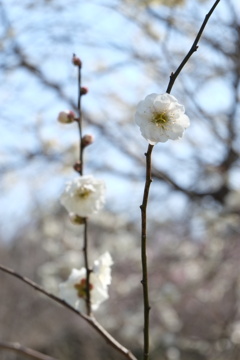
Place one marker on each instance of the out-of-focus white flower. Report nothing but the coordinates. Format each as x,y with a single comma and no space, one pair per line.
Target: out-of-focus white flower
66,117
170,3
161,117
73,291
233,200
102,267
235,334
84,196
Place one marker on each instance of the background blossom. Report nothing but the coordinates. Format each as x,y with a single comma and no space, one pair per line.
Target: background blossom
84,196
73,291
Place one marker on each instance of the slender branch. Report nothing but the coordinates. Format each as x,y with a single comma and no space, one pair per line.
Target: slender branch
80,170
80,119
90,319
193,48
27,352
143,208
88,271
41,290
148,181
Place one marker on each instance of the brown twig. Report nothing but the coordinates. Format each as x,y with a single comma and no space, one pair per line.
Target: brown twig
143,208
90,319
27,352
79,122
88,270
193,48
81,149
148,181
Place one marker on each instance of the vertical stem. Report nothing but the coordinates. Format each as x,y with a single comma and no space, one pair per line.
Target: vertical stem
193,48
144,281
88,271
80,121
85,237
148,181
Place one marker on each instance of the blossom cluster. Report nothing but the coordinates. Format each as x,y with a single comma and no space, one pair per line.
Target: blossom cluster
74,291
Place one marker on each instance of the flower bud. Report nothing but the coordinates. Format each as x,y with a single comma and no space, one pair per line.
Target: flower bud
76,219
66,117
77,167
84,90
76,61
87,140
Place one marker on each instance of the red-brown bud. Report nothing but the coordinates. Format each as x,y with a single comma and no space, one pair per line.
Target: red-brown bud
84,90
77,167
87,140
76,61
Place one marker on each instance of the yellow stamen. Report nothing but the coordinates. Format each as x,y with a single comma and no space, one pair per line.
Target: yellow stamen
83,193
82,289
160,119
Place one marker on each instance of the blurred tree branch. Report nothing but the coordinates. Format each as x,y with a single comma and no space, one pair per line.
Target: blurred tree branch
27,352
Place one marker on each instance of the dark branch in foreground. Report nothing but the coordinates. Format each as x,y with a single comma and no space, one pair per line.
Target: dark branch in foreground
148,181
143,208
192,50
90,319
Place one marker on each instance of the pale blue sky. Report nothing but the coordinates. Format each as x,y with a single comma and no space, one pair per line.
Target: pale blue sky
48,38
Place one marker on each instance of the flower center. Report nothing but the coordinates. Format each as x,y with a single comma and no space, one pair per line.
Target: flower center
81,288
83,193
160,119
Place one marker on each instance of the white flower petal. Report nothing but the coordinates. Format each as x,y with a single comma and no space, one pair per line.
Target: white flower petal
185,122
159,106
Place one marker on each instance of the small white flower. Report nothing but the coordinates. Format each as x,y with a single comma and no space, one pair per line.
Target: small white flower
84,196
161,117
73,291
66,117
102,268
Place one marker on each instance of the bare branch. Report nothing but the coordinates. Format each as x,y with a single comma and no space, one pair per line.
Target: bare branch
90,319
148,181
143,208
194,48
29,353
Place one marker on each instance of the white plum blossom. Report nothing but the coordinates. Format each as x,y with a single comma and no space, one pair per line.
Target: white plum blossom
73,291
66,117
160,118
102,267
84,196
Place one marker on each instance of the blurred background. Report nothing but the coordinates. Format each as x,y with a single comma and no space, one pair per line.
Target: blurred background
128,49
